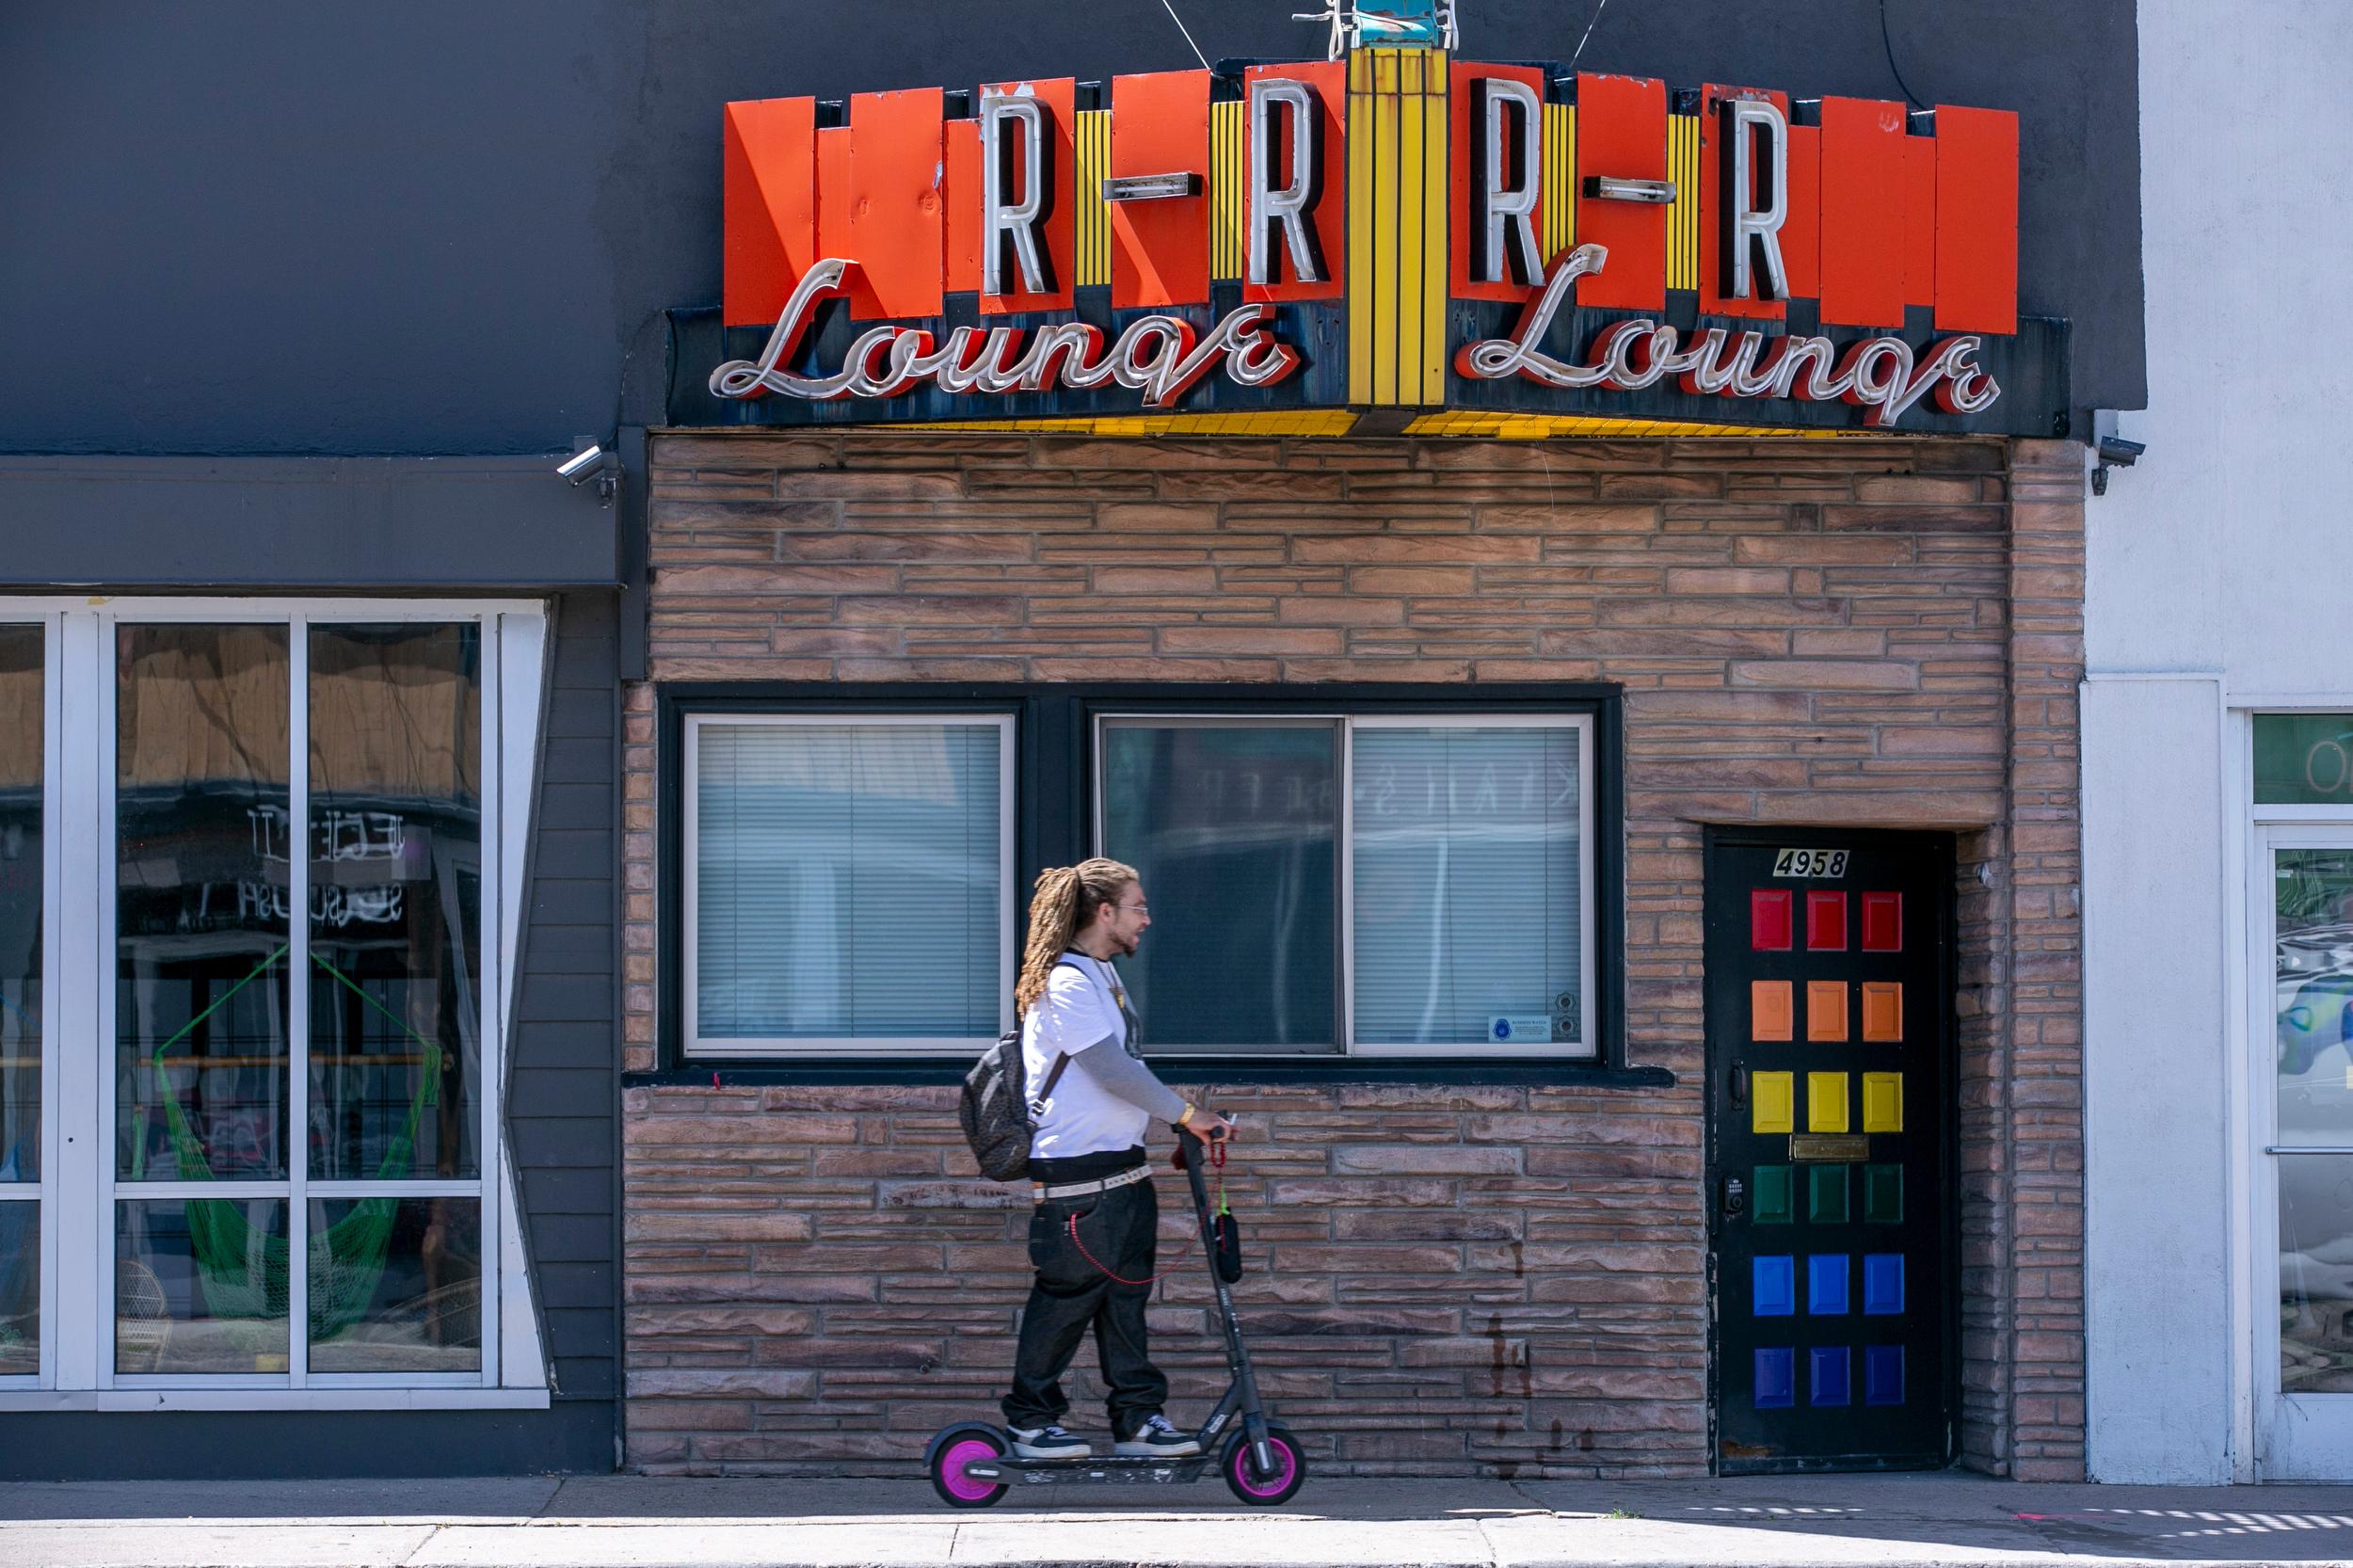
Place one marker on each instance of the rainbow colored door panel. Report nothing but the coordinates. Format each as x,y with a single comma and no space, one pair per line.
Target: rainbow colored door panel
1828,1044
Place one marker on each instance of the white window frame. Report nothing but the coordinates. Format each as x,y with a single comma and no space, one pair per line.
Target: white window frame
1586,1049
736,1047
2295,1437
79,1189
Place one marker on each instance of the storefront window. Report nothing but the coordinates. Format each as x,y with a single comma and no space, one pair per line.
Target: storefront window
395,902
848,883
1466,861
2304,759
268,920
22,771
1234,827
1469,894
201,904
2313,992
388,827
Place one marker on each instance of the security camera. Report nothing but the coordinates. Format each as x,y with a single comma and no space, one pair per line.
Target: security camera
2113,451
582,464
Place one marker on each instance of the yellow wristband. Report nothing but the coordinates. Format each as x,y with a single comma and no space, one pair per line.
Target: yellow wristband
1186,1120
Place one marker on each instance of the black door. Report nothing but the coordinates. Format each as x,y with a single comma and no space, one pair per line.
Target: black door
1830,1007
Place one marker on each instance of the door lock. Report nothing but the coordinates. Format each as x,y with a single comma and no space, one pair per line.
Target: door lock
1736,1202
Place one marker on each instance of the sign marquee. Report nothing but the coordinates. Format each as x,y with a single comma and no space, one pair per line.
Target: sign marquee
1398,231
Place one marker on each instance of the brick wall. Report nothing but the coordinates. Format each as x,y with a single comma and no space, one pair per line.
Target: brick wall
1850,632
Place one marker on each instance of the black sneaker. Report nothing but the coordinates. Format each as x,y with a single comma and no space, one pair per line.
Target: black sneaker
1048,1442
1156,1439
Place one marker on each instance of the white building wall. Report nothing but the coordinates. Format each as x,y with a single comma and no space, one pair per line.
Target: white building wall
2221,578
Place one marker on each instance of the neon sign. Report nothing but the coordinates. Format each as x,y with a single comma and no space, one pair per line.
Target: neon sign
1160,355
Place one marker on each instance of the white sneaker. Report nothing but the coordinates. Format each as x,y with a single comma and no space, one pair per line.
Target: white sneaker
1157,1439
1048,1442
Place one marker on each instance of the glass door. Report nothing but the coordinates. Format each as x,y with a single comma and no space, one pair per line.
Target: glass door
2302,940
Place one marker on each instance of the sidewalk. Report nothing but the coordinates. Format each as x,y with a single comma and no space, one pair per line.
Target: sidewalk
636,1522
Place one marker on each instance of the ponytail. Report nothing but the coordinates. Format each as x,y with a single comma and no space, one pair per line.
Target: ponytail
1063,906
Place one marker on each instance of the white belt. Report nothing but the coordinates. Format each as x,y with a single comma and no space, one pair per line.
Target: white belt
1081,1189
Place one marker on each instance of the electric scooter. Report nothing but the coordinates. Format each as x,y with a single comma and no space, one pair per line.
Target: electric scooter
973,1463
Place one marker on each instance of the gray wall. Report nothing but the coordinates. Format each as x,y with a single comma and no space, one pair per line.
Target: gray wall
281,226
564,1057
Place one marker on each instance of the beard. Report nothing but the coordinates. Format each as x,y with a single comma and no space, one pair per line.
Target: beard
1127,945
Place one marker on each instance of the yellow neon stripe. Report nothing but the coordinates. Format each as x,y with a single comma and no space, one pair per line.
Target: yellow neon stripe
1559,179
1228,188
1360,204
1435,216
1683,218
1413,222
1094,138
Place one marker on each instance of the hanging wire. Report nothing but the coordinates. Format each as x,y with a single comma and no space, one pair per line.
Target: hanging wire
1911,97
1589,33
1188,32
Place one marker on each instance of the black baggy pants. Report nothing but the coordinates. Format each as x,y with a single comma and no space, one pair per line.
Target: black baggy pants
1071,1294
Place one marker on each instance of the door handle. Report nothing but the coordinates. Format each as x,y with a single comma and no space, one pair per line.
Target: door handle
1737,1085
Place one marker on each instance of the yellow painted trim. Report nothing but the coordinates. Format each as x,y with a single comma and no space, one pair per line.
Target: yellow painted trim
1414,220
1437,180
1388,196
1290,422
1536,428
1360,204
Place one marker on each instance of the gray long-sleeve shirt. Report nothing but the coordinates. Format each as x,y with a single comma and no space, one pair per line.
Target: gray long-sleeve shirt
1117,1073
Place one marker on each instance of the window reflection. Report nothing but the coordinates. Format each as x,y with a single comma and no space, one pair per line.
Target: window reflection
1234,829
201,1286
20,1288
395,848
21,753
2317,1273
399,1287
201,885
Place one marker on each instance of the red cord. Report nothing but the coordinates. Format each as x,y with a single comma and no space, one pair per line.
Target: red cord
1107,1273
1217,1159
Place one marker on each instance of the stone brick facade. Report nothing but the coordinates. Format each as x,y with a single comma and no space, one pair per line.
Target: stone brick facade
1852,631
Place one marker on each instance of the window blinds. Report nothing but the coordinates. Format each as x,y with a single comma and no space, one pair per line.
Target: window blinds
849,881
1466,892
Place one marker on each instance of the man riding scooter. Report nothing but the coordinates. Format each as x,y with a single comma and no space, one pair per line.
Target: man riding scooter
1087,1162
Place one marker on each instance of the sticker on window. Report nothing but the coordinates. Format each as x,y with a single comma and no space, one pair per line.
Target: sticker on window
1521,1029
1810,862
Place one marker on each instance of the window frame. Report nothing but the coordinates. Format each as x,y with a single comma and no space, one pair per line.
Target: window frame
691,1044
1344,724
79,1190
1055,809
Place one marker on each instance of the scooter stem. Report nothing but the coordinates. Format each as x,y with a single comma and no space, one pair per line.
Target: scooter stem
1237,1356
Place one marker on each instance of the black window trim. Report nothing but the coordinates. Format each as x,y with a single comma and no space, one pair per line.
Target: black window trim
1052,825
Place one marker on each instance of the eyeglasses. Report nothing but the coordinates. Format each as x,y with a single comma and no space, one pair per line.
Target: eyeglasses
1144,909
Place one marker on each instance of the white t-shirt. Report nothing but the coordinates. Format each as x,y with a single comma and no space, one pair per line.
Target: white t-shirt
1081,1007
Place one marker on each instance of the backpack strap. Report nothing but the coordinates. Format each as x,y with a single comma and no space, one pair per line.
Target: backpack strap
1061,1059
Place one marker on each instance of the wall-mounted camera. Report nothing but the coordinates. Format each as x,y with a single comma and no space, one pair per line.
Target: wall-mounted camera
592,461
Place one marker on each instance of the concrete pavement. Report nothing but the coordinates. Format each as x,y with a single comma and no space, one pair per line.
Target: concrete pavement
640,1522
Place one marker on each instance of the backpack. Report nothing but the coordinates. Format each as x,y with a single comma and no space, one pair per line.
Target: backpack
996,1108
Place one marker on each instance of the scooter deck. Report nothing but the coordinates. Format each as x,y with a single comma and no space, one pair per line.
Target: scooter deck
1116,1469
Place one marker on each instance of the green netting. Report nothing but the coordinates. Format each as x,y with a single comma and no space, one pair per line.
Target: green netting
245,1270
